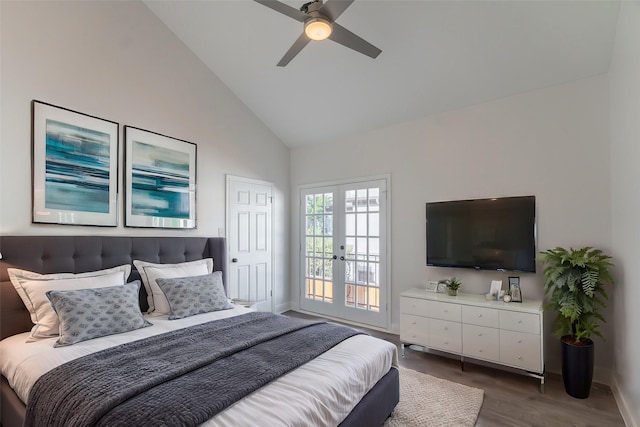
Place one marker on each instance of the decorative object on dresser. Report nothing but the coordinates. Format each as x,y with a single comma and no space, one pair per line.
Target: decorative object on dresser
496,287
160,180
575,281
75,167
469,326
453,285
514,289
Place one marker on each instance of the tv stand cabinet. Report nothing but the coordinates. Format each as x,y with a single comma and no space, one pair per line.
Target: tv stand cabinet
507,334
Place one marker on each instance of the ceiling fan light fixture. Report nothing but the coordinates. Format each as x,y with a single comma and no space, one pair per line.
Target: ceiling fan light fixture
317,28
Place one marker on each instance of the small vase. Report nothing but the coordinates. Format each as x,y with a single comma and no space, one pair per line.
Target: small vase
452,292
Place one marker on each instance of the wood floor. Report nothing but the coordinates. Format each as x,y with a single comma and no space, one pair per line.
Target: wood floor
512,399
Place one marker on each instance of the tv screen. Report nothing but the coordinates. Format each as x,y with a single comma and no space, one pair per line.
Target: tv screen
485,234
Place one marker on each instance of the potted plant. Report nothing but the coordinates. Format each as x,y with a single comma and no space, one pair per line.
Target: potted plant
575,281
453,285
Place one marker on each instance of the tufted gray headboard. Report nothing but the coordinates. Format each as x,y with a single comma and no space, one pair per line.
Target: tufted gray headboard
78,254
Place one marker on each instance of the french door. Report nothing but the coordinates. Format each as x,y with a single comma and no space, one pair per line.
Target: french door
344,256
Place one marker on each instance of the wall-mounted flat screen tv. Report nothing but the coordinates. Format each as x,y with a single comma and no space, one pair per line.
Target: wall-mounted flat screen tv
485,234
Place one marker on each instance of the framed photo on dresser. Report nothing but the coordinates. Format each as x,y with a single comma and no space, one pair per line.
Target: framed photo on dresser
514,289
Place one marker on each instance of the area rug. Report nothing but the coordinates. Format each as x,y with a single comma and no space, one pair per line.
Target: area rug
430,401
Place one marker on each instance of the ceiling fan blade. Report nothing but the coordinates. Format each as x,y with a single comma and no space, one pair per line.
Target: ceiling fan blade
285,9
295,49
347,38
334,8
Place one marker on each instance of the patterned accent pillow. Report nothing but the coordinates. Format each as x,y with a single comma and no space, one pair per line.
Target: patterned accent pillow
32,288
91,313
192,295
150,272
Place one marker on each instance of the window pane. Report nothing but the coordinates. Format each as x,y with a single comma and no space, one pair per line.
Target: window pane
374,224
350,248
328,225
349,201
350,296
374,199
310,203
362,200
362,224
328,203
350,224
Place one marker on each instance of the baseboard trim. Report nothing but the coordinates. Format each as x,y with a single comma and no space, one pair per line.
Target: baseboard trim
281,308
625,409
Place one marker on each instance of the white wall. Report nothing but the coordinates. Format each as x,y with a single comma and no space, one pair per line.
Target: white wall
550,143
624,86
117,61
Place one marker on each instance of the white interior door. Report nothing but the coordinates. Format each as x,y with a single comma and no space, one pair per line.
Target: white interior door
249,238
344,251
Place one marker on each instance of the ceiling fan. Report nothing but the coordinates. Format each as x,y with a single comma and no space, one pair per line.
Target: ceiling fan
319,24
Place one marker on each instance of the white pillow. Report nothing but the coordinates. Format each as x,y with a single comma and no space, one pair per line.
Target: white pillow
149,272
32,288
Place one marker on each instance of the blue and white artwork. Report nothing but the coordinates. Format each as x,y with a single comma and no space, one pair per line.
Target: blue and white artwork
159,182
77,168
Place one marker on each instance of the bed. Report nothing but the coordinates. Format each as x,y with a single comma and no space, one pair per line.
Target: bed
305,395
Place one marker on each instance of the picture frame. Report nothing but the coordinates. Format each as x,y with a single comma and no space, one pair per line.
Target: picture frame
74,167
160,180
431,286
496,286
442,287
514,289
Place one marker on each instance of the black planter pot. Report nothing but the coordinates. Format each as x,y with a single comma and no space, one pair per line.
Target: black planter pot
577,367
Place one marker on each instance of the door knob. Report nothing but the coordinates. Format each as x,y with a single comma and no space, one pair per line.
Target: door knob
341,258
234,259
335,257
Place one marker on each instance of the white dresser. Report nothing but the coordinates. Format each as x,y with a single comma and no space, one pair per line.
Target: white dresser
509,334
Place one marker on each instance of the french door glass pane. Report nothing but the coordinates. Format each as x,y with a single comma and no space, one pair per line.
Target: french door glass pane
319,246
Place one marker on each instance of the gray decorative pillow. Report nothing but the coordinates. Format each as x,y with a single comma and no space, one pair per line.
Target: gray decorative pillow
188,296
85,314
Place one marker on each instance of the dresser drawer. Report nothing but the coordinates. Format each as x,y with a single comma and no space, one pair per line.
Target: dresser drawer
444,311
414,329
481,342
480,316
521,350
414,306
520,322
445,335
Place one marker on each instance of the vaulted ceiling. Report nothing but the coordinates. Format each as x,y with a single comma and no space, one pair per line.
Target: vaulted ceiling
436,56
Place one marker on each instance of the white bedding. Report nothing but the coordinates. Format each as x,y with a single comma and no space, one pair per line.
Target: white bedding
319,393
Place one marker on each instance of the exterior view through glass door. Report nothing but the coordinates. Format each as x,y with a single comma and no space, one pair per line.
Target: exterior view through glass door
344,230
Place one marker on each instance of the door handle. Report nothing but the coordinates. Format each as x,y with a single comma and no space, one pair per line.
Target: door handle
234,259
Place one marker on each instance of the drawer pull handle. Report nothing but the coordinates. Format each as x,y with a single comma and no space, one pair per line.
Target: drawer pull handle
479,335
480,351
446,343
413,323
519,321
519,357
479,315
519,341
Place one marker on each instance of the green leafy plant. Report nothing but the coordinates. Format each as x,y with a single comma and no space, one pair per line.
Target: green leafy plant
454,283
575,281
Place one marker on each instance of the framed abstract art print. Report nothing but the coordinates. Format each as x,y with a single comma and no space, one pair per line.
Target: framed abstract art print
74,167
160,180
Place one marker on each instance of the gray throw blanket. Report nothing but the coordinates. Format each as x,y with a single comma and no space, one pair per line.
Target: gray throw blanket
181,378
